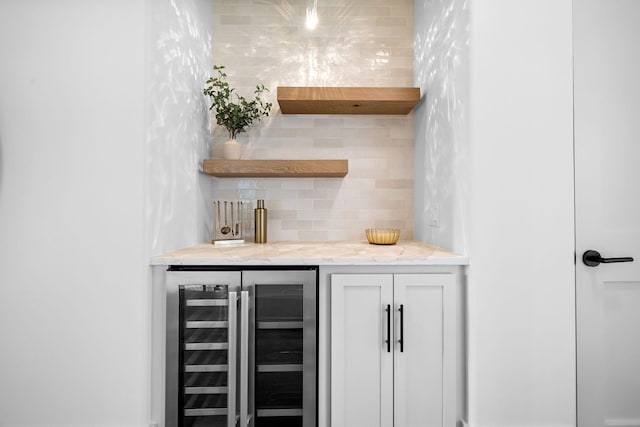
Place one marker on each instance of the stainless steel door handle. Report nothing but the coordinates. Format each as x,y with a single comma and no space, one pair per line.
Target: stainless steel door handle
231,363
244,358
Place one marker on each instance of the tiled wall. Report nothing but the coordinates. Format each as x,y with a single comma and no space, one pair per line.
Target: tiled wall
356,43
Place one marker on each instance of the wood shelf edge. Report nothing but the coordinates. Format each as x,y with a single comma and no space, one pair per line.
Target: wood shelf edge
347,100
258,168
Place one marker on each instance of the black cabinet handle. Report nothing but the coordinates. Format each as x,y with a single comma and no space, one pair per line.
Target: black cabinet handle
401,340
388,340
592,258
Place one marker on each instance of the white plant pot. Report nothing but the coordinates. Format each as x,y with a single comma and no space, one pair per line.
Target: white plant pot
232,150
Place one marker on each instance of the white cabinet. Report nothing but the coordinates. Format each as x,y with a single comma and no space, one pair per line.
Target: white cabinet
393,350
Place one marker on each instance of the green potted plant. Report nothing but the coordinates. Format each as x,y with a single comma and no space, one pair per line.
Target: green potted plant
236,116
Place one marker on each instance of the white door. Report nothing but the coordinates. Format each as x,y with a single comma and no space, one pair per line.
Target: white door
361,350
607,165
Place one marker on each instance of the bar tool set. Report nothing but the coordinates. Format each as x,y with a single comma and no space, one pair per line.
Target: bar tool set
230,221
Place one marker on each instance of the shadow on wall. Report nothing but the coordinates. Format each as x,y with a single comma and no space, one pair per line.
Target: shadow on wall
178,129
441,70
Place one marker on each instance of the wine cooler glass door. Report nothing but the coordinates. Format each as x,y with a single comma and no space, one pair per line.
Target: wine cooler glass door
282,362
202,387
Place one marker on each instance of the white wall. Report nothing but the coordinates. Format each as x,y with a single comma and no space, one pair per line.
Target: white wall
178,212
84,201
521,273
441,123
73,280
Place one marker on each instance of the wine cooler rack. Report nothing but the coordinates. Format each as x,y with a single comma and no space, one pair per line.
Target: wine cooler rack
206,339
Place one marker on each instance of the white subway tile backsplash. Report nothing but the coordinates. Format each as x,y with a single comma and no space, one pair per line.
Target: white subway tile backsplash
299,225
395,183
313,235
297,184
356,43
328,143
235,20
395,21
374,11
282,214
295,204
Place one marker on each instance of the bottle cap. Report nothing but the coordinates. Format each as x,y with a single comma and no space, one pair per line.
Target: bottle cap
260,204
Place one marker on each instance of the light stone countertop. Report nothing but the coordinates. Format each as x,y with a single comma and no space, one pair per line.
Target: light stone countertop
405,252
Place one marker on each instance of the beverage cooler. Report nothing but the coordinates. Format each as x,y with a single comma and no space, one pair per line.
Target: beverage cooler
241,347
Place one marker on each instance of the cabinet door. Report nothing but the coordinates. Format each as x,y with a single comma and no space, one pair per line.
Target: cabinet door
424,359
361,360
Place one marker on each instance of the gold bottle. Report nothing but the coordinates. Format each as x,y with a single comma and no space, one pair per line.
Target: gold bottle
261,222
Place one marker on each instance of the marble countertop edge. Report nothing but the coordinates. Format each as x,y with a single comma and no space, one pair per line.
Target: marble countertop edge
408,252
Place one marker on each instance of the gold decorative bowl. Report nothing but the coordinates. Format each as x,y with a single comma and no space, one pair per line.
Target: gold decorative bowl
382,236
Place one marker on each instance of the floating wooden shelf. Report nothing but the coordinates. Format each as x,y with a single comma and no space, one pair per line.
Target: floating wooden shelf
347,100
276,168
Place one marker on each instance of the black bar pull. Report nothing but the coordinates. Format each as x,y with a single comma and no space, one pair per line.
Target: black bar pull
401,340
388,340
592,258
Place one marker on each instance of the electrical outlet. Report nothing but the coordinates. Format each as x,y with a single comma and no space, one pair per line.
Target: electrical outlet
434,216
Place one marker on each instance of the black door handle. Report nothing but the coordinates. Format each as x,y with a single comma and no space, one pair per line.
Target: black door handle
388,340
401,340
592,258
